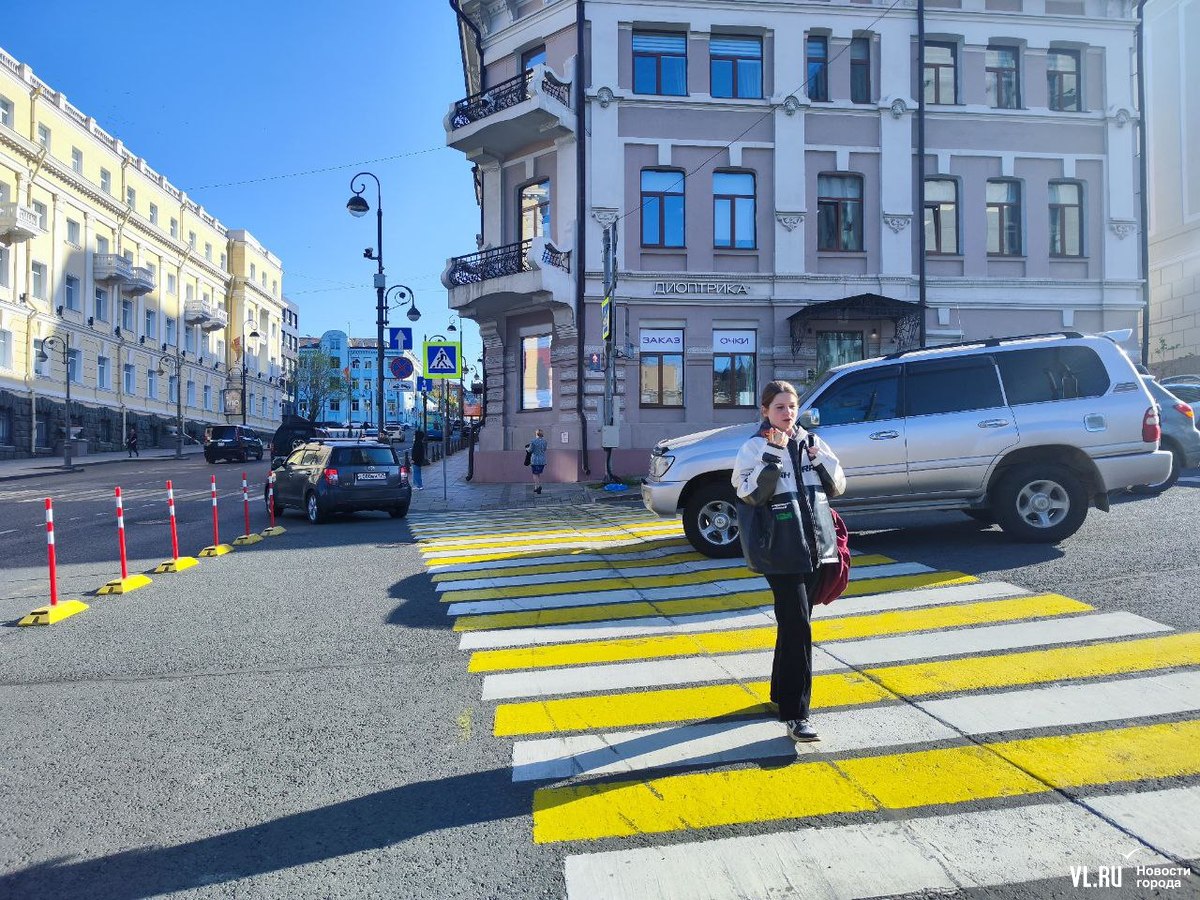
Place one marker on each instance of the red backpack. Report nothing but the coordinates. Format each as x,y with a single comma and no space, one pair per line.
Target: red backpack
835,576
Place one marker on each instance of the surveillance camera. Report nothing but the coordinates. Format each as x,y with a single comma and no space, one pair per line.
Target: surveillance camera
368,253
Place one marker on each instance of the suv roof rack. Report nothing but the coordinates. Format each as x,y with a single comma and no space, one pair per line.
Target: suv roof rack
986,342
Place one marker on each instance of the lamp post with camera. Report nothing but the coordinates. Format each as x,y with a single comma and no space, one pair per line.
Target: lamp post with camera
253,335
357,206
176,364
64,343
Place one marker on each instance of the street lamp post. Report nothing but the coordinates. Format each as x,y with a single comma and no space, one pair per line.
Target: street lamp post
254,335
176,363
65,344
402,292
358,207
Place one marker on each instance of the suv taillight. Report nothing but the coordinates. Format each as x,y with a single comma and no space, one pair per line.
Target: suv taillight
1186,410
1151,426
404,473
331,477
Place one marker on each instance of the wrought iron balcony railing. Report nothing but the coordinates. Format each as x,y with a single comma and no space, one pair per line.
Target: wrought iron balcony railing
497,262
507,94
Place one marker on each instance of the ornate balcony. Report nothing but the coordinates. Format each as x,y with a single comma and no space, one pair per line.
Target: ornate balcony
112,267
18,223
533,106
521,273
142,281
208,315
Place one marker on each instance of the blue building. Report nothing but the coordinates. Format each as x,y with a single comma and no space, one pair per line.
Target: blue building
355,359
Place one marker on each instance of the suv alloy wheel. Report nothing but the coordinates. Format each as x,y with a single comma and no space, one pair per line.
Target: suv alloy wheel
1039,503
710,521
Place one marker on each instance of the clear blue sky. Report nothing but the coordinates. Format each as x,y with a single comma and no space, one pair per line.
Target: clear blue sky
224,98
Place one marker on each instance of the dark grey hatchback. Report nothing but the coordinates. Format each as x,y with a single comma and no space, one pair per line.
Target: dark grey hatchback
323,477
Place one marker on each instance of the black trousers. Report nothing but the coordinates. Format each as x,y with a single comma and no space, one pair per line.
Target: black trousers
791,673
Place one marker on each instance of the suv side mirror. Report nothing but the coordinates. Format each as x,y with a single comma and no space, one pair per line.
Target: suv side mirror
810,418
278,462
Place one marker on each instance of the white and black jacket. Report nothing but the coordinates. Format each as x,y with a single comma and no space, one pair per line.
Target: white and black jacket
761,472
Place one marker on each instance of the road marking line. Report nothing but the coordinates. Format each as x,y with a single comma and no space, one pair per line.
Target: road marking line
859,784
565,563
838,628
721,743
921,855
851,688
564,536
1165,819
728,619
600,550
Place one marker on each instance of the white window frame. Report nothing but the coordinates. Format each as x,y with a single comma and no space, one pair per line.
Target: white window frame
129,379
39,275
6,112
104,373
6,354
77,160
151,382
106,181
153,213
44,137
74,233
191,393
75,365
100,304
71,292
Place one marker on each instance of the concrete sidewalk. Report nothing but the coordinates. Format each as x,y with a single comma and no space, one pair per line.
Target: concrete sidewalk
11,469
468,496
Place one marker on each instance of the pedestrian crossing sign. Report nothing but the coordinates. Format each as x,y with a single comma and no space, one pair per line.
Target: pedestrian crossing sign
442,359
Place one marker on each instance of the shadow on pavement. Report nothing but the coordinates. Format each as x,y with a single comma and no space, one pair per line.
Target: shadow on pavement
371,822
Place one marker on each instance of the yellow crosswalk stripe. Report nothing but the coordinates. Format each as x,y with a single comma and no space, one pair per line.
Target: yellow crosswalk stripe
849,688
586,551
592,562
569,535
747,639
895,781
690,605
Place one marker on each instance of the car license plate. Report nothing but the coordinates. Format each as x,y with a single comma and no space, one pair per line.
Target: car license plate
372,476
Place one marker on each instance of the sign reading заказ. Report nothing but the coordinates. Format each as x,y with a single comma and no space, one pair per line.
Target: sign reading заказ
699,287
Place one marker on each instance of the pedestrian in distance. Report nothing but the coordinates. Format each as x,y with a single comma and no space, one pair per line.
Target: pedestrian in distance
418,458
781,540
131,442
537,459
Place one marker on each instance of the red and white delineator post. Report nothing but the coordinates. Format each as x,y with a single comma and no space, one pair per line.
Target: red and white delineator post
274,529
216,548
248,536
176,563
56,610
126,582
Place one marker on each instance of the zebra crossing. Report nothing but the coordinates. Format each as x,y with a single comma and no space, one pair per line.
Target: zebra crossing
631,676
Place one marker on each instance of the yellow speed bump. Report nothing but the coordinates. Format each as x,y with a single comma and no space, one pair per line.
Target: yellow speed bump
895,781
125,585
181,564
850,688
273,531
749,639
243,539
215,550
48,615
690,605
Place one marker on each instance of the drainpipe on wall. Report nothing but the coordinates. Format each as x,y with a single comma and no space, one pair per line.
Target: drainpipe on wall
919,218
580,231
462,17
1144,248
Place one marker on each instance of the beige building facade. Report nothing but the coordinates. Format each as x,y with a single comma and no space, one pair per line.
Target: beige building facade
150,306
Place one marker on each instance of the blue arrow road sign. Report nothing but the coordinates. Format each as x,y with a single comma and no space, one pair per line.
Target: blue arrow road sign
425,385
399,338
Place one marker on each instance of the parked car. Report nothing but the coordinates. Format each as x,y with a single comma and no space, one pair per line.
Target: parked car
1179,434
328,476
233,442
292,433
1027,431
1186,391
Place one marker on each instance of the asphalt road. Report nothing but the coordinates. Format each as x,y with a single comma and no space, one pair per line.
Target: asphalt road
296,719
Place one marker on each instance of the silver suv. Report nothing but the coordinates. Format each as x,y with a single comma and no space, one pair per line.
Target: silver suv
1025,431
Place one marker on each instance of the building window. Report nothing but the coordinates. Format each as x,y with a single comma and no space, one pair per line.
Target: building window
153,213
817,56
537,376
941,215
734,383
1003,218
77,160
127,314
224,261
40,367
534,57
839,213
191,393
39,210
4,263
860,70
662,208
43,136
100,305
6,427
129,375
170,336
1004,77
192,239
208,251
535,210
74,234
208,397
941,72
735,67
6,354
171,283
661,352
660,64
174,228
1066,218
189,339
103,373
71,292
1062,80
38,271
837,347
6,112
74,365
131,198
106,181
151,383
253,271
189,293
335,405
173,388
734,210
151,324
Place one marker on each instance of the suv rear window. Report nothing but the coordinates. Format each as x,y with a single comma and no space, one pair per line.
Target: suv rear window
951,385
1052,373
363,456
224,432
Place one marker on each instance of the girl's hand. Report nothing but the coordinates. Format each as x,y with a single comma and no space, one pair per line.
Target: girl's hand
776,438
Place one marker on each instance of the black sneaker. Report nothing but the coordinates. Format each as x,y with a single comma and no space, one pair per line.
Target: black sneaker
801,731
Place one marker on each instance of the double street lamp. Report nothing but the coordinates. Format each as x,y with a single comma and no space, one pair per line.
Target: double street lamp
176,364
65,344
253,335
359,207
393,299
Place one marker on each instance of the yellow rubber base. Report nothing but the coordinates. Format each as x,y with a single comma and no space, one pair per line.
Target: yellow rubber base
48,615
216,550
176,565
273,531
243,539
124,585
